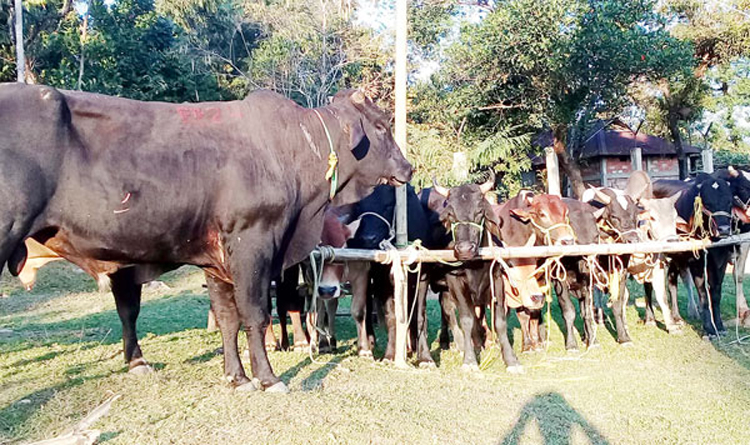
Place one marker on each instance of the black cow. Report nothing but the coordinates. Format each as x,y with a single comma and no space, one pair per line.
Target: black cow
707,268
127,190
376,213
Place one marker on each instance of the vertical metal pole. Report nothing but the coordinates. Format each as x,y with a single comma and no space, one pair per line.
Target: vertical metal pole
20,56
553,172
400,300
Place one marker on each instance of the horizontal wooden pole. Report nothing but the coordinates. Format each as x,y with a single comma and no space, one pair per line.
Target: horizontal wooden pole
490,253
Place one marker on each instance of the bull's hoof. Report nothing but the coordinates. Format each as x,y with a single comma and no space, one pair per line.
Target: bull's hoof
594,346
365,354
680,322
572,350
627,344
141,370
246,387
515,369
470,367
278,387
675,329
301,347
650,322
427,364
387,361
445,345
271,347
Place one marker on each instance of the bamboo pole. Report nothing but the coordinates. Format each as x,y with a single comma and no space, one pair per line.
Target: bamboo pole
20,56
553,172
490,253
401,212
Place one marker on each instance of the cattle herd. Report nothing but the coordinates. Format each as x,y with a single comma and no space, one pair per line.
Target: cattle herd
245,190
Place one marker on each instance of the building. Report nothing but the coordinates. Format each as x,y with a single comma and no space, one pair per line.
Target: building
612,150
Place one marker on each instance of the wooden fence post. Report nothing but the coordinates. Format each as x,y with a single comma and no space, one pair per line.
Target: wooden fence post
553,172
20,56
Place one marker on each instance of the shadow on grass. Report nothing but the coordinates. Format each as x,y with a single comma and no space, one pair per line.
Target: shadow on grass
162,316
555,418
15,414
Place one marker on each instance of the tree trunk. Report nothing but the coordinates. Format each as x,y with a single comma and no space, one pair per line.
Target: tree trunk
674,130
567,164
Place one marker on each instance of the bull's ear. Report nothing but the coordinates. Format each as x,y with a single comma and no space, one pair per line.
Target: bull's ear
599,212
733,172
492,221
673,199
353,227
359,144
521,214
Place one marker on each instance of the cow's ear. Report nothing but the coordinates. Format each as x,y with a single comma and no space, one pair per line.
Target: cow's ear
521,214
492,221
353,227
359,144
598,213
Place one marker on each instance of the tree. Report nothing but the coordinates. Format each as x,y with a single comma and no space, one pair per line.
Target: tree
720,34
534,65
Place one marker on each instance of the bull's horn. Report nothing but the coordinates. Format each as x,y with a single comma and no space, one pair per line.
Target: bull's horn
733,172
489,184
602,197
358,97
444,192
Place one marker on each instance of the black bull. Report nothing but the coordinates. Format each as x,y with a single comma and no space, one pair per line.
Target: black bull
127,190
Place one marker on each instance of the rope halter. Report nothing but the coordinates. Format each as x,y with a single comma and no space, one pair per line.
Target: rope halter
332,174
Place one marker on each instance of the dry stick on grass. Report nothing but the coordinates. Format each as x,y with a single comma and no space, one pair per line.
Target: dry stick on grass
81,434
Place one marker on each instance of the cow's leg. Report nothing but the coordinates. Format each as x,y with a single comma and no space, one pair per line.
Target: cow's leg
586,303
270,337
618,310
693,310
535,318
281,310
649,319
389,310
466,318
448,313
227,317
659,288
673,275
128,301
332,307
424,359
501,329
301,341
598,306
717,266
359,276
569,314
524,319
743,312
699,278
251,270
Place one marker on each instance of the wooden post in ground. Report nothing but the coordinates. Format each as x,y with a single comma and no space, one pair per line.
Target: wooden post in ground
401,230
20,56
553,172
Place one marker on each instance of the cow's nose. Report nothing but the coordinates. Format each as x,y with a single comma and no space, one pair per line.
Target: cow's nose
724,230
370,240
465,250
327,291
537,298
567,241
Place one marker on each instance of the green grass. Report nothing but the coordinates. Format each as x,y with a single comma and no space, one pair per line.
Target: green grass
60,361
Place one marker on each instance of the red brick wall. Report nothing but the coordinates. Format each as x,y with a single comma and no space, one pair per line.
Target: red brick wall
617,166
663,165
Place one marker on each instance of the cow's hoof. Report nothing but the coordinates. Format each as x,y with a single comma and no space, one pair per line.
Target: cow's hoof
270,347
515,369
141,370
572,350
680,321
365,354
594,346
246,387
427,365
469,368
278,387
301,347
650,322
675,329
627,344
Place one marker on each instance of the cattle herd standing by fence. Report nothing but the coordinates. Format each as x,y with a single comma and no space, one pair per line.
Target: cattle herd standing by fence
128,190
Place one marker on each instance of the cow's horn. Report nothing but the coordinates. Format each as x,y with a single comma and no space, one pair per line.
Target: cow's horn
602,197
444,192
358,97
733,172
489,184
